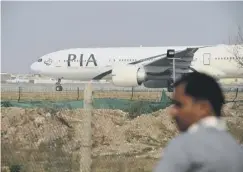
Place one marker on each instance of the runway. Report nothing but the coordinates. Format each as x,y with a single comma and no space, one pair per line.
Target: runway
29,87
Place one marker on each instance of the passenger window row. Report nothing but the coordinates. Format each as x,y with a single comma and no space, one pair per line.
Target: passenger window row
228,58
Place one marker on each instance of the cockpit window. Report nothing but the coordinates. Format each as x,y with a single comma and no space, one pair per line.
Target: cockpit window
39,60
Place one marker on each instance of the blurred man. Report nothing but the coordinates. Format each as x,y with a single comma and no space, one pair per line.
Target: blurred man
204,144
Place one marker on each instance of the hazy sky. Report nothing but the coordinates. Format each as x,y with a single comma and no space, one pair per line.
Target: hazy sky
33,29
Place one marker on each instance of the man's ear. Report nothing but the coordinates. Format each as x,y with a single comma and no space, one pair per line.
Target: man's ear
205,107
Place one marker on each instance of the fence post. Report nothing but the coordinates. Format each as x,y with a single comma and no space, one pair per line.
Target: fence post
78,93
236,94
132,93
19,94
86,144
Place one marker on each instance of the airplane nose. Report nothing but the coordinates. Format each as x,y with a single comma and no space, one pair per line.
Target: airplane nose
35,67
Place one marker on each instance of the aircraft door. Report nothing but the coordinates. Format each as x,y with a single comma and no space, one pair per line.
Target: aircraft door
206,58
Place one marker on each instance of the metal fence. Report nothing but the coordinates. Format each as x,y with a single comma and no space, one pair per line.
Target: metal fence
96,87
34,92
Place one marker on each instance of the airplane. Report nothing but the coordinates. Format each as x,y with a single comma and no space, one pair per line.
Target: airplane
154,67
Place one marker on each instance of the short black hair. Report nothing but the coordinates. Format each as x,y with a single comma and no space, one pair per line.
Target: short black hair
201,86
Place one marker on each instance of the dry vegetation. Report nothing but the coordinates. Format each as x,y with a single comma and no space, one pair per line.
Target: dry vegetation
44,139
74,95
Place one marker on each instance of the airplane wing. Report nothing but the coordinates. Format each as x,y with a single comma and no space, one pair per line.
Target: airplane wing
161,64
164,64
160,70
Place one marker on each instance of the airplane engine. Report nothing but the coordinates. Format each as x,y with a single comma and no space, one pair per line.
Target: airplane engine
156,83
128,75
165,83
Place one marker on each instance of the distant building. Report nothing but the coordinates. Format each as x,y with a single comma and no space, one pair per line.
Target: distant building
5,77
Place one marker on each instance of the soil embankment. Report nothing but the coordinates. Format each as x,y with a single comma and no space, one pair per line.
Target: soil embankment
43,139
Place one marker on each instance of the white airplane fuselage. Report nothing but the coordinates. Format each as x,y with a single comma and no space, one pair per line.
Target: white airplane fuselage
86,63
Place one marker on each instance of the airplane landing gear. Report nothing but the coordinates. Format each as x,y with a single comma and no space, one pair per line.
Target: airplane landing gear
58,85
58,88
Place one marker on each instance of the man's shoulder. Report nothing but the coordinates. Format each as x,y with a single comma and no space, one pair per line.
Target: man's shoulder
201,136
219,143
216,139
180,141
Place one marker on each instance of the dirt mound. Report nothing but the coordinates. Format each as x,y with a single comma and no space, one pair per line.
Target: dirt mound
112,131
47,135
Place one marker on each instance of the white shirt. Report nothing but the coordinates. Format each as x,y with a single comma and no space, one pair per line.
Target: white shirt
210,121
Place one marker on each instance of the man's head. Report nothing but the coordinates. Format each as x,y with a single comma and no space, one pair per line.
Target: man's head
196,96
